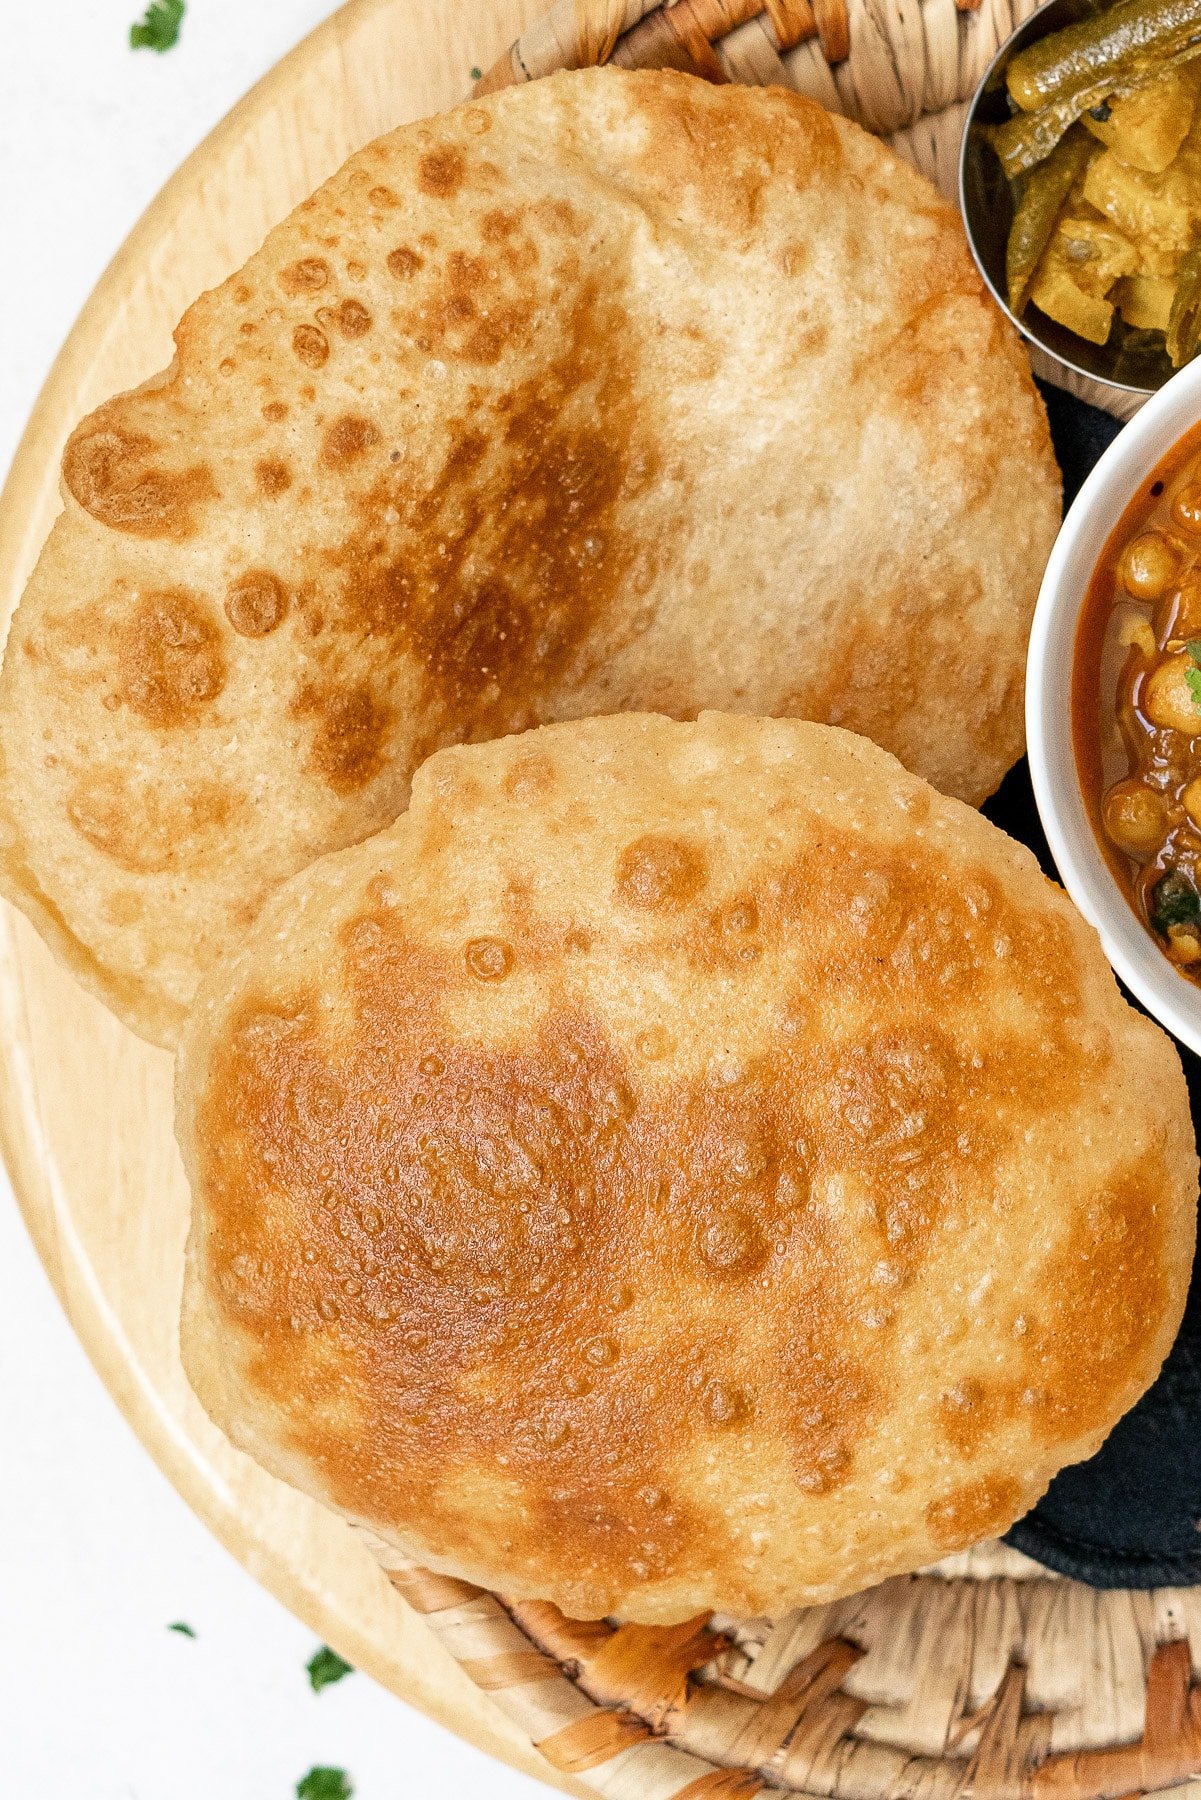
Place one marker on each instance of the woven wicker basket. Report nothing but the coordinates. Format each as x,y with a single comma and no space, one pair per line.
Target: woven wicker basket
985,1676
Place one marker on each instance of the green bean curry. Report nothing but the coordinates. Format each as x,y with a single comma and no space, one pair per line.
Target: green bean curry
1136,704
1103,154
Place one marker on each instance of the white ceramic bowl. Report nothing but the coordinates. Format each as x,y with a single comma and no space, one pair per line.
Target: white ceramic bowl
1169,996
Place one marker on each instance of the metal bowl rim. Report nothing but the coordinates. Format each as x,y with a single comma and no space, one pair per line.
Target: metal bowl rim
1004,50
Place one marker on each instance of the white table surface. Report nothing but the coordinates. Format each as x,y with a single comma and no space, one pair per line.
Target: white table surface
99,1701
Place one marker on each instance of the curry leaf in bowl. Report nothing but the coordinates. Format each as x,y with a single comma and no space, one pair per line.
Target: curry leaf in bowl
1175,901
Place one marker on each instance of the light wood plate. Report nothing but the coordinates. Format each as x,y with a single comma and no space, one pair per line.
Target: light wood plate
85,1108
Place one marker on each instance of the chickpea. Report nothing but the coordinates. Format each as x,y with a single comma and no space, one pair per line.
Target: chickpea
1135,817
1186,507
1191,800
1168,699
1148,565
1184,945
1136,631
1184,614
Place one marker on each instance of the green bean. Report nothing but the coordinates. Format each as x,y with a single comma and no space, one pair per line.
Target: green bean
1028,138
1184,320
1082,53
1038,212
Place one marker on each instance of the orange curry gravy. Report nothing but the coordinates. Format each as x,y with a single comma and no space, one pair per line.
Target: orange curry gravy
1136,703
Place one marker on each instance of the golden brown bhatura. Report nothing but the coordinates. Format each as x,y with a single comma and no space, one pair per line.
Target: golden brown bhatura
615,391
678,1166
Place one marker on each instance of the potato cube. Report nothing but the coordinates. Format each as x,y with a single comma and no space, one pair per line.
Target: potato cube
1159,213
1146,128
1055,293
1145,301
1084,259
1091,250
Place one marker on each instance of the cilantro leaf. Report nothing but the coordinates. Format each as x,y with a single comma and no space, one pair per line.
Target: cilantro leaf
1193,678
1174,901
324,1784
159,30
327,1667
183,1630
1194,649
477,74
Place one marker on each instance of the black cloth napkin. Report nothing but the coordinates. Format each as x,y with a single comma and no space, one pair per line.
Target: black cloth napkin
1130,1517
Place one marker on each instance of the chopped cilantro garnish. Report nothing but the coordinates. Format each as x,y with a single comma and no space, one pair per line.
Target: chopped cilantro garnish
183,1630
326,1667
477,74
159,30
324,1784
1194,649
1174,901
1193,679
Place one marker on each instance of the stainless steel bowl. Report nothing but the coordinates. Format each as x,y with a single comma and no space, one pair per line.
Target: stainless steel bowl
987,203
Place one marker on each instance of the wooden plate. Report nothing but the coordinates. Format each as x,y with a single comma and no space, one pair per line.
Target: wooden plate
85,1108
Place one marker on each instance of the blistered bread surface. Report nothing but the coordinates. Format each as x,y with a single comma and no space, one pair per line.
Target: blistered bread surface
615,391
678,1166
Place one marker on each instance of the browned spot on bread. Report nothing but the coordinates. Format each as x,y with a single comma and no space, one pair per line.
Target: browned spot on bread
499,569
441,173
146,828
308,276
1076,1358
275,412
311,345
499,223
349,746
737,923
352,319
479,307
256,603
404,262
170,659
559,217
489,959
1083,1349
502,1277
530,778
967,1413
110,472
658,873
464,274
730,1243
383,196
347,439
795,141
978,1510
809,341
272,477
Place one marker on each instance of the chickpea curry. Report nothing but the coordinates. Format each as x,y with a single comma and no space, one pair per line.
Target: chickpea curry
1103,155
1136,703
